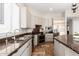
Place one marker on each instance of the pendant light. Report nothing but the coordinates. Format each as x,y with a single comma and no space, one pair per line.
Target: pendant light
74,7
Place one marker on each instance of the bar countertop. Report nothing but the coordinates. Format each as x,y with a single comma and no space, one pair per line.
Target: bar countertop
68,41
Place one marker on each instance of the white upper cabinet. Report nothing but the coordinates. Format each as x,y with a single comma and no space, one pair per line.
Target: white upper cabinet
28,18
23,15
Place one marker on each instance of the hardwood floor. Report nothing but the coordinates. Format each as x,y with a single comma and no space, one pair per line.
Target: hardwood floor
44,49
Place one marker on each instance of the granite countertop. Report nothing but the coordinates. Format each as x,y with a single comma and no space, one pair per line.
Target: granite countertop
10,45
2,36
68,41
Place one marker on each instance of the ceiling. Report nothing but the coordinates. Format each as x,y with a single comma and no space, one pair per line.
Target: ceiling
56,7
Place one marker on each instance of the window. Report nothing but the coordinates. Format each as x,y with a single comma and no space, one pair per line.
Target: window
10,15
1,13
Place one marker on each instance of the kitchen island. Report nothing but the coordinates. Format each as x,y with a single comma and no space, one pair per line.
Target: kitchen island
66,45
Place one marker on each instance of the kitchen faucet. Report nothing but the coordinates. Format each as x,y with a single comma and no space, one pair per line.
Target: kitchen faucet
7,35
15,31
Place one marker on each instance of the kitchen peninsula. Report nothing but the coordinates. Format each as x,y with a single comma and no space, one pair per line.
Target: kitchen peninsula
65,45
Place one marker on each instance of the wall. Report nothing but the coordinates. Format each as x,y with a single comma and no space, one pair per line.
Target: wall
69,13
1,13
75,25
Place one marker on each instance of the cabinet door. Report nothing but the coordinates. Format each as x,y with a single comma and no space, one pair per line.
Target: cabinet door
29,18
28,50
23,15
20,51
70,52
59,49
62,50
23,51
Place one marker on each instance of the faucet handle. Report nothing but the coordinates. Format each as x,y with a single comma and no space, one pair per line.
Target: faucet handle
8,34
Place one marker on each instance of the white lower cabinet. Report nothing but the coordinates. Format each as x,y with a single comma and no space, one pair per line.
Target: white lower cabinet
25,50
28,50
70,52
59,49
62,50
49,37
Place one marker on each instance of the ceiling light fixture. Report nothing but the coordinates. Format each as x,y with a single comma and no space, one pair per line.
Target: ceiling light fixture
50,9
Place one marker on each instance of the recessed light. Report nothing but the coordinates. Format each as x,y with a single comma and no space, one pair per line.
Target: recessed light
50,9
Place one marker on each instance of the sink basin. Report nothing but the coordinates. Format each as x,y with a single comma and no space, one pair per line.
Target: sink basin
9,49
